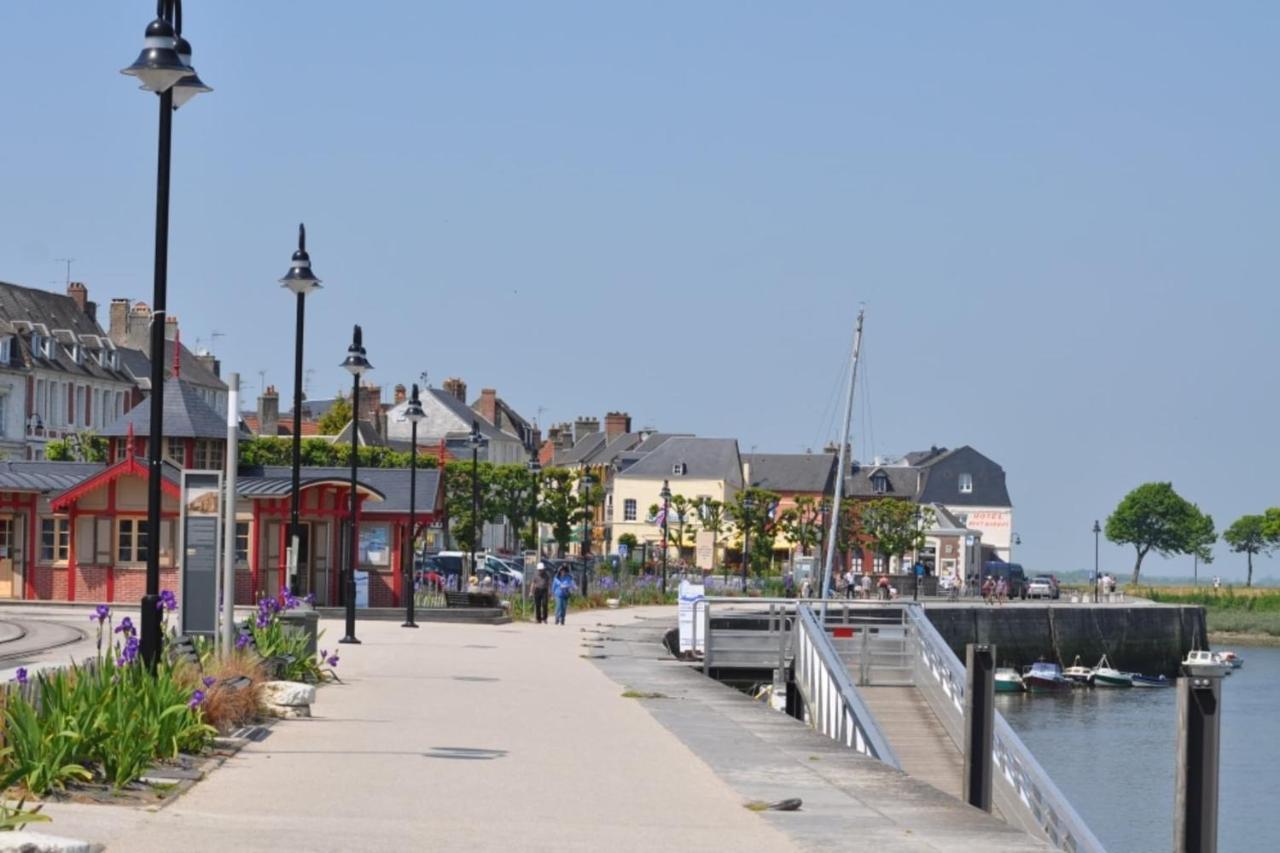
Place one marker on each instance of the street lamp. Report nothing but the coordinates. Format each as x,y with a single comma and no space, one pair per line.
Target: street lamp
584,489
535,475
357,364
665,494
414,415
163,62
301,280
1097,529
917,570
476,440
748,507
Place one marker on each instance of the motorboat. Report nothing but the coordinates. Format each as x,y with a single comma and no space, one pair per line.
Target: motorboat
1105,675
1203,663
1140,680
1008,680
1079,674
1045,677
1232,658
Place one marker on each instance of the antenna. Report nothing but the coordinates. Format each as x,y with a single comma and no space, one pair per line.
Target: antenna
306,382
213,338
422,378
262,381
66,261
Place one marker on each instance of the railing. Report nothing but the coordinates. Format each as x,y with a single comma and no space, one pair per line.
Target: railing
833,704
1023,791
761,642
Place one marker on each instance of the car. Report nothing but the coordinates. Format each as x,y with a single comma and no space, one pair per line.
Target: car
501,571
1015,578
1043,586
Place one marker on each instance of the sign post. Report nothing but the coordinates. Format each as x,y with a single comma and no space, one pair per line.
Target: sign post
199,547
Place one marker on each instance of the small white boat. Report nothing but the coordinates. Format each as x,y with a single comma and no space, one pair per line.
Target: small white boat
1203,663
1232,658
1105,675
1008,680
1079,674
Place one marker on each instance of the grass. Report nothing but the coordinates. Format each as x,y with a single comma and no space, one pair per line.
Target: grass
1230,610
1244,622
643,694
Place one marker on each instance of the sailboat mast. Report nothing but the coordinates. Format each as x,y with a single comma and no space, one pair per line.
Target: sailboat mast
841,461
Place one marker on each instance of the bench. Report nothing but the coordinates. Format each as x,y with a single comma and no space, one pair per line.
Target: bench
470,599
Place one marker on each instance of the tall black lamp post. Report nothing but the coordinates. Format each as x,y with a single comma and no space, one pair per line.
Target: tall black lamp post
1097,529
748,508
357,364
414,414
476,440
584,490
665,494
535,480
301,280
917,570
163,67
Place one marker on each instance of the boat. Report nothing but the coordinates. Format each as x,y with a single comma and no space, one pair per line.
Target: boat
1232,658
1202,662
1105,675
1079,674
1008,680
1140,680
1045,677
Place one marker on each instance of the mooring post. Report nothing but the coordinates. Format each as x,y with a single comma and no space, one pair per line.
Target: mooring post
979,722
1195,811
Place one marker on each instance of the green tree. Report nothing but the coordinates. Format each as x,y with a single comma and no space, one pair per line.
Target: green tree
513,496
1203,536
1153,517
711,515
680,523
337,417
894,526
464,526
802,524
1248,535
77,447
558,506
756,519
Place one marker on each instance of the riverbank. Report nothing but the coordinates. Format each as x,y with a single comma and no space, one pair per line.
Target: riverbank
1247,615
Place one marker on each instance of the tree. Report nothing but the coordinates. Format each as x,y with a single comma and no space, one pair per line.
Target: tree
679,518
802,524
758,521
464,527
1203,536
1248,536
513,494
336,417
711,515
894,526
1153,517
559,505
78,447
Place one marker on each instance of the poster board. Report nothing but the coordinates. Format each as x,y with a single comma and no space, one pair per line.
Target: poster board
199,551
705,550
690,595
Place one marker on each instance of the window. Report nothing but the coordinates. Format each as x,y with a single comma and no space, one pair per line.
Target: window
679,469
175,450
857,562
608,505
37,346
880,484
209,455
55,540
966,484
629,509
131,544
6,349
242,542
878,564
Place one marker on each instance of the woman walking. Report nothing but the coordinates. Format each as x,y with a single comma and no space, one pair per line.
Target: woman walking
561,588
541,587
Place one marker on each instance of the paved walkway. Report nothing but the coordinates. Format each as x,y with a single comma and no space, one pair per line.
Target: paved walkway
453,737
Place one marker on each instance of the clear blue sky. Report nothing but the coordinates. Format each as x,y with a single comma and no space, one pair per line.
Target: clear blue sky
1062,218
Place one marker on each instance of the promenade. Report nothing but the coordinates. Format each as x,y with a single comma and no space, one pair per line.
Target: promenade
504,738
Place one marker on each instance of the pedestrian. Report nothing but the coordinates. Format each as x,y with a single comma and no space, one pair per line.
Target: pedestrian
562,588
988,589
1217,583
806,589
1002,591
788,585
866,587
473,584
850,585
541,587
883,585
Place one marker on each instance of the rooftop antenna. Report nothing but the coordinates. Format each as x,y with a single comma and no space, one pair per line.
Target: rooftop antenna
66,261
262,381
213,339
306,382
422,377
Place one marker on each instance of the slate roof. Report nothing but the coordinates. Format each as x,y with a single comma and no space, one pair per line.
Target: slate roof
792,472
138,365
704,458
932,476
391,483
186,415
903,481
620,444
58,314
368,436
582,451
45,477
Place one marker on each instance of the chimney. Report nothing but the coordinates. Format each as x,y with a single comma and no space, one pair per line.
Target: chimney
456,388
561,436
401,394
78,292
210,363
487,407
269,412
170,328
371,406
616,423
583,427
118,323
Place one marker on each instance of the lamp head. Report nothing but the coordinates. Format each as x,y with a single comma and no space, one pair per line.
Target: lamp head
413,409
300,278
158,67
356,362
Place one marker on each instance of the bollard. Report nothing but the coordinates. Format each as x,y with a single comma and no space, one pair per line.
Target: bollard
1195,811
979,723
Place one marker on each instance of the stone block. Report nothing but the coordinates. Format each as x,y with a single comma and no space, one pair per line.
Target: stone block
23,841
288,693
289,712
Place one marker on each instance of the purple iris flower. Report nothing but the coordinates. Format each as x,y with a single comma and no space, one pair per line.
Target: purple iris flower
100,614
196,699
21,676
332,660
125,627
129,653
243,640
168,601
208,681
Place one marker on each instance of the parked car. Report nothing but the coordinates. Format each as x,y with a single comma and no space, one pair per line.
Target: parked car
1014,577
1043,586
501,571
448,564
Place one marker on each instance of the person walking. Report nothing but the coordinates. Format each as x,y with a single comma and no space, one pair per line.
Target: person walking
562,588
988,589
850,584
541,587
1002,591
866,587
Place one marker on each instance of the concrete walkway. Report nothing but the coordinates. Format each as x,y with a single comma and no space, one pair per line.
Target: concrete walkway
453,737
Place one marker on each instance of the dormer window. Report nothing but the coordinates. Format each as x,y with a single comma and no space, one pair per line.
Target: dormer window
6,349
879,483
103,360
966,484
76,353
37,346
679,469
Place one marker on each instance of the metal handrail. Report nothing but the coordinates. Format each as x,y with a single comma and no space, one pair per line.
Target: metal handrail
834,706
1023,791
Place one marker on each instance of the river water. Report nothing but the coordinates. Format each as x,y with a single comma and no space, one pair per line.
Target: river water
1112,754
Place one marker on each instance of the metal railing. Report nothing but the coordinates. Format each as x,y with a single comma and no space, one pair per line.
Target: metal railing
1023,791
832,703
752,632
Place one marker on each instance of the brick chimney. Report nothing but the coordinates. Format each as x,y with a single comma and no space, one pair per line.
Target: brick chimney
401,394
487,406
269,412
78,292
616,423
170,327
560,436
371,406
209,361
118,322
583,427
456,388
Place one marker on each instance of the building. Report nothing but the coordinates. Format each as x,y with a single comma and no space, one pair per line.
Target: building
497,412
130,330
448,420
792,476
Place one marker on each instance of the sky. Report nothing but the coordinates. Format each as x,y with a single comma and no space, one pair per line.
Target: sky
1061,219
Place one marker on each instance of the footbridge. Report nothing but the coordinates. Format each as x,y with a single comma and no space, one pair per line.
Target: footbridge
879,678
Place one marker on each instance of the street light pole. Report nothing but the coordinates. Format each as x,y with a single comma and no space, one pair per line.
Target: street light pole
1097,529
301,280
748,508
476,440
665,494
356,364
535,469
163,67
587,482
413,412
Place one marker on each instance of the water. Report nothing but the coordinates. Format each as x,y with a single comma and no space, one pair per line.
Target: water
1112,754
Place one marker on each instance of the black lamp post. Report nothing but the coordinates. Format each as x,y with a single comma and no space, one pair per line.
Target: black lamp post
917,571
748,508
1097,529
535,476
163,67
665,494
584,489
414,414
357,364
301,280
476,440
